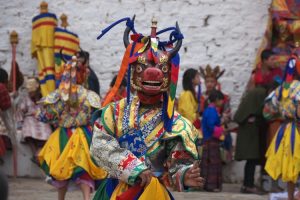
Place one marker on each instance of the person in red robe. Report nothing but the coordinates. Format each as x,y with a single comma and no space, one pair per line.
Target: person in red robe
5,104
265,73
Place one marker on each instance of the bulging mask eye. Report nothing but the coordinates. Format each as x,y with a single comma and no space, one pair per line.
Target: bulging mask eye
138,69
165,69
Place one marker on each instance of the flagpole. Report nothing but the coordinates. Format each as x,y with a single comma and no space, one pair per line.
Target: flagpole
14,41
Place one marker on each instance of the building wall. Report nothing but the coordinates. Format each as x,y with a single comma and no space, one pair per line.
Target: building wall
217,32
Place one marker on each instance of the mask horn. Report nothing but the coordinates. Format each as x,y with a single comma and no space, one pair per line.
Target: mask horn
62,56
126,34
174,51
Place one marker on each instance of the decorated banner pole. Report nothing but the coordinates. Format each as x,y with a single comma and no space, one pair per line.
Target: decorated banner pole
66,44
42,47
14,41
64,21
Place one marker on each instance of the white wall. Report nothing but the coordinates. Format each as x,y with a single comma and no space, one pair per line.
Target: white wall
229,38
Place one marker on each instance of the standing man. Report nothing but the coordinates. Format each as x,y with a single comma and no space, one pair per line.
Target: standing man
265,73
252,126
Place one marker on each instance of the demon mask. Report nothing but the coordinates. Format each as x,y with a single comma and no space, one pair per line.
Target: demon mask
151,69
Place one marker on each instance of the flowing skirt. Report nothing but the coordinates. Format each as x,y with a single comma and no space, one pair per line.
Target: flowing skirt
111,189
66,156
283,155
211,165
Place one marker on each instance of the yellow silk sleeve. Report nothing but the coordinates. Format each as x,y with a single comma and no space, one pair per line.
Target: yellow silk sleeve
187,106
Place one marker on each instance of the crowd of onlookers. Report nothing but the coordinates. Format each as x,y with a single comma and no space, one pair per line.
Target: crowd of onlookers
210,112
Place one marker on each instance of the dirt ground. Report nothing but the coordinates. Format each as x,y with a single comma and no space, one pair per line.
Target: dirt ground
38,189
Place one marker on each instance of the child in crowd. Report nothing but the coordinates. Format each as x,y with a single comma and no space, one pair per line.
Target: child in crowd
213,134
211,76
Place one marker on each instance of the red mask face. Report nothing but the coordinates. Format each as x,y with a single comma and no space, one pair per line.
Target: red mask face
151,71
151,74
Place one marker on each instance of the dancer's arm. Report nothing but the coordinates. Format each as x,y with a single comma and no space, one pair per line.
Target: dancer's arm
119,162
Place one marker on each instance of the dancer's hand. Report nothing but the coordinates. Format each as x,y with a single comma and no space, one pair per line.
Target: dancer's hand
251,119
192,177
145,178
225,118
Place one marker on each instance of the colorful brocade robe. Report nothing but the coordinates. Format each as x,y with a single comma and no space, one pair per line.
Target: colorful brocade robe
66,155
284,150
59,113
128,139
